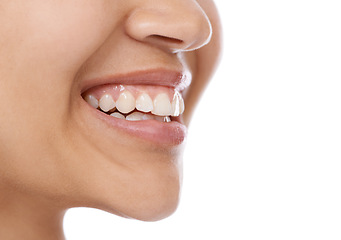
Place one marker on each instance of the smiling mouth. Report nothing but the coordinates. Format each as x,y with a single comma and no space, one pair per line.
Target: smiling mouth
136,103
148,105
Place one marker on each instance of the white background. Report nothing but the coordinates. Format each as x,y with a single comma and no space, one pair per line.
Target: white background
263,155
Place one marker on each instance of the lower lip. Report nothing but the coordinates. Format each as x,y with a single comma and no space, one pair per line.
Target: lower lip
171,134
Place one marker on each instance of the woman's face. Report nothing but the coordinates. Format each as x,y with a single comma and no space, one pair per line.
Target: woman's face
59,60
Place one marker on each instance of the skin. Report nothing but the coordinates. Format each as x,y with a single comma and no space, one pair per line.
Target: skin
51,158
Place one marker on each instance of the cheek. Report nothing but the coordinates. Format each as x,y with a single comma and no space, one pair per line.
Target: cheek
55,35
42,46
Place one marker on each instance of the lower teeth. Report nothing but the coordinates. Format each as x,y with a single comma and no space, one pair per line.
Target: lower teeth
167,119
138,116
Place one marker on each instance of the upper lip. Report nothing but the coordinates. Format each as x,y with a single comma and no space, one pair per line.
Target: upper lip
161,77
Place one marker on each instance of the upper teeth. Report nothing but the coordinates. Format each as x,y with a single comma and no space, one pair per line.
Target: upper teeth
106,103
144,103
126,102
161,106
91,100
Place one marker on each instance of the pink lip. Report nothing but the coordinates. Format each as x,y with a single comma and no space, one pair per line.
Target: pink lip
166,134
159,77
170,134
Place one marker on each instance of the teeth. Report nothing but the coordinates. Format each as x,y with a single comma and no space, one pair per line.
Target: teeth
161,108
138,116
91,100
147,116
118,115
182,105
125,102
166,119
144,103
176,104
106,103
162,105
135,116
162,119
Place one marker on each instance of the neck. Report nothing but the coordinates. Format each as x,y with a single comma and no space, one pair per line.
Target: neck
23,216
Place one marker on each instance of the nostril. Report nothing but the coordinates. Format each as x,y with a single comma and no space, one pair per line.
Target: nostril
160,38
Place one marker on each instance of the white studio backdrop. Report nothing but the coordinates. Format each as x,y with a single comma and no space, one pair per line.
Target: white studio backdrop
264,151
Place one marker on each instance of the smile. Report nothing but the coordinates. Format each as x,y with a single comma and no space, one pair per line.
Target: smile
136,103
148,105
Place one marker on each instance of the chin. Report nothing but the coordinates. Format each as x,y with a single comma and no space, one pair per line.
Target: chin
154,199
144,188
155,194
160,205
152,202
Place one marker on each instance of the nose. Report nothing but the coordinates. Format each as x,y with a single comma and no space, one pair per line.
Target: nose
174,25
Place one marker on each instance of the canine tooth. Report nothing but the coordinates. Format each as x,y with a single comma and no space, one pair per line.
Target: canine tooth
135,116
125,102
106,103
144,103
176,104
182,105
162,105
118,115
91,100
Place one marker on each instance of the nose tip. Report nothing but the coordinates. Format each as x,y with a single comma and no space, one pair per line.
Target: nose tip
177,26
